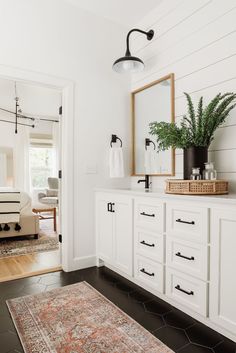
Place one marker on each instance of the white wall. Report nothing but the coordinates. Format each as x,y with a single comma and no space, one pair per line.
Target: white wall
56,38
196,41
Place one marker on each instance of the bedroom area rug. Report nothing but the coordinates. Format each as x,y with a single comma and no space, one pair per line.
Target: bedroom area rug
78,319
47,241
28,245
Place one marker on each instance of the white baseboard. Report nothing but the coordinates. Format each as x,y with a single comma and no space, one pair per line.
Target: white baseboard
78,263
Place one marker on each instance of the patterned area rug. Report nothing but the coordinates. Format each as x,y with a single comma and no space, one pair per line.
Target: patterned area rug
78,319
28,245
47,241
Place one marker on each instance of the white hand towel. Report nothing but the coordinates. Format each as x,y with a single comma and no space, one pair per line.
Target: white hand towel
150,162
116,162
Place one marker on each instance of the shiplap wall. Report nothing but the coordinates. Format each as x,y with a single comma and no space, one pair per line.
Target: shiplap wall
196,40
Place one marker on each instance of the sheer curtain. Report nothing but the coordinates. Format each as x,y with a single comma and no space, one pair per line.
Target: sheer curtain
56,147
21,160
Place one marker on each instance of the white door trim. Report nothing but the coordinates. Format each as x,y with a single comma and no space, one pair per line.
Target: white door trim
67,146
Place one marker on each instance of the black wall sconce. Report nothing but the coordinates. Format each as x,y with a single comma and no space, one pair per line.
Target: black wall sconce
129,63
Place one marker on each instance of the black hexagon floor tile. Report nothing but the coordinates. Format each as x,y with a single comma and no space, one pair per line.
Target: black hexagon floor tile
140,296
225,347
192,348
6,324
108,276
204,336
124,287
157,307
178,319
151,322
34,289
29,280
3,310
9,341
49,280
53,286
9,288
172,337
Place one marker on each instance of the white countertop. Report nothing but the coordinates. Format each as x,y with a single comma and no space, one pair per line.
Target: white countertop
229,199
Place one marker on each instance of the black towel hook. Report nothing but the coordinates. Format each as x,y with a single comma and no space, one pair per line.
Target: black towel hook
148,142
114,139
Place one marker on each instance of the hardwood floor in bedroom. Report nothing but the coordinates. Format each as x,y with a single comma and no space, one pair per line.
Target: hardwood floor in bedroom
28,265
15,267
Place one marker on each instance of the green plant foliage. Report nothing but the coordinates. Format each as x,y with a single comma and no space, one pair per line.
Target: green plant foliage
198,127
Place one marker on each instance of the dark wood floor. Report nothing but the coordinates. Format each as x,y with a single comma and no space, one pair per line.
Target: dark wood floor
178,331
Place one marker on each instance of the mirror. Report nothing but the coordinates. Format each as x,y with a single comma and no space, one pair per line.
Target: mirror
153,102
6,167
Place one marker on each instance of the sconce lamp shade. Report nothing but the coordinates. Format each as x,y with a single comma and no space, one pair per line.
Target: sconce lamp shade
129,63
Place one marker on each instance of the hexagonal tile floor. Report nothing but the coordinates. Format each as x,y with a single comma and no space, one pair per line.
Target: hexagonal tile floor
177,330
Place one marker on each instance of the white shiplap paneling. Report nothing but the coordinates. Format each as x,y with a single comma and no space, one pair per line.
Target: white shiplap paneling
196,41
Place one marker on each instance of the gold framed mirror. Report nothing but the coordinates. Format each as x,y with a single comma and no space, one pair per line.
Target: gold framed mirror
153,102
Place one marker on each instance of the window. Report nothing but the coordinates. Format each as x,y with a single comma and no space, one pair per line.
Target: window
41,166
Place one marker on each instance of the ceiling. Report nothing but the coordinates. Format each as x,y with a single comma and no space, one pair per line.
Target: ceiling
125,12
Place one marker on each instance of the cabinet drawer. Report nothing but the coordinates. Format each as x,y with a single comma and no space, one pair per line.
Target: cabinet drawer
149,272
187,221
186,256
149,244
187,291
149,214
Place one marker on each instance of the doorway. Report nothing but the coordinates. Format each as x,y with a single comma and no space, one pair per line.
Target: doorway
41,150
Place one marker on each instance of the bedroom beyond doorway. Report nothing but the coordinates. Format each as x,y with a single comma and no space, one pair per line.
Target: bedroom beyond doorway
30,118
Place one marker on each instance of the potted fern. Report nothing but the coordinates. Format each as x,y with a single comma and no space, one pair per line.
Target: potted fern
196,130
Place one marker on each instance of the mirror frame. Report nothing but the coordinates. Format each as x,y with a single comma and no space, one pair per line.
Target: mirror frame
170,77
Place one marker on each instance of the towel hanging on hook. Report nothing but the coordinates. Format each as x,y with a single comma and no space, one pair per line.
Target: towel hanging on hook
116,162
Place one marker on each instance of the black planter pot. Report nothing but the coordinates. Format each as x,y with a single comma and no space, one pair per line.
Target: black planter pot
194,157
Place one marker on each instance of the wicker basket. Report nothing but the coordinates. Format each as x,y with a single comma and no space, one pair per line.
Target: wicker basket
196,187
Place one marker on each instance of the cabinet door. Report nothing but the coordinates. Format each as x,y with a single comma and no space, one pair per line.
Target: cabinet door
123,237
104,228
222,268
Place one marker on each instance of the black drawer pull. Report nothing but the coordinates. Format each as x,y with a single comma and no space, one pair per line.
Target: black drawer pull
109,207
147,273
144,243
186,222
184,291
184,257
147,214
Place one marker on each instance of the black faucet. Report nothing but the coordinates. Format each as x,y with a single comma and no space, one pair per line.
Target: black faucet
146,181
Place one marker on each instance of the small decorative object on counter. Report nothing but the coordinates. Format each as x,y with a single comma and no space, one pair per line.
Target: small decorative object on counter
196,175
209,173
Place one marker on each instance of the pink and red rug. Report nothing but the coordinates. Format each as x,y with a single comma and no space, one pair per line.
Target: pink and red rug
78,319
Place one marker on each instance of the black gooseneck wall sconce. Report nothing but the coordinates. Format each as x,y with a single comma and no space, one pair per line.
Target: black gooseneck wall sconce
129,63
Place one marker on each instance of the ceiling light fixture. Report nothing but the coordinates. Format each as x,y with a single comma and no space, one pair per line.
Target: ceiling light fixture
129,63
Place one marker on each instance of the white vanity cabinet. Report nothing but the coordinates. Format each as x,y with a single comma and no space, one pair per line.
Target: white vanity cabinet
114,231
223,268
182,249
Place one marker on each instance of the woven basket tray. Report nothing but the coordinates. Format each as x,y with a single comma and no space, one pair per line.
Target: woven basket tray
196,187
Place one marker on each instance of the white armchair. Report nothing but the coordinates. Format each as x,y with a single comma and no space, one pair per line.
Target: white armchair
50,196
